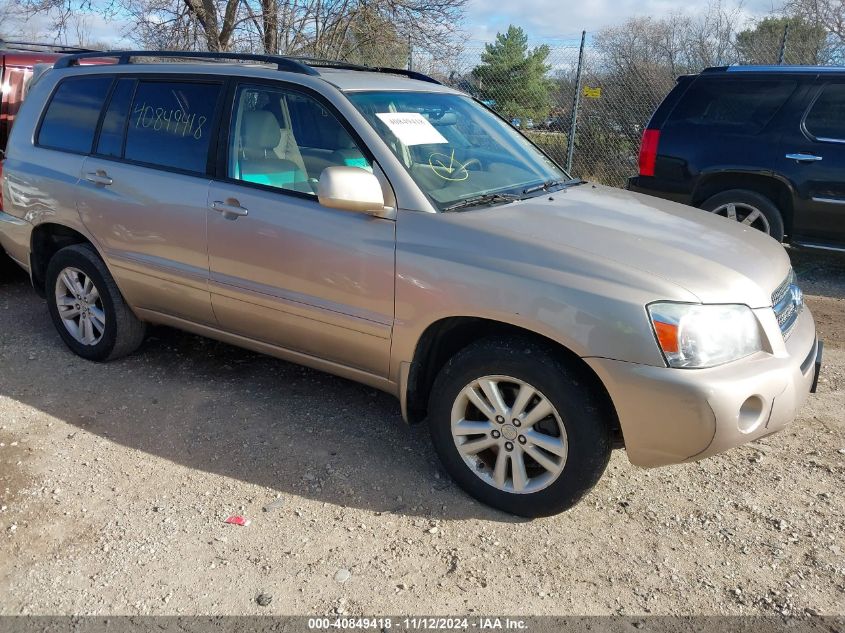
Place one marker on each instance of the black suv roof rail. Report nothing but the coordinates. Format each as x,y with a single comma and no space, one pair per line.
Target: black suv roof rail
301,65
773,69
41,47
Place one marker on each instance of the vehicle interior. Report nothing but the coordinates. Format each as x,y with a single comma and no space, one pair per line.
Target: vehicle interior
286,139
475,155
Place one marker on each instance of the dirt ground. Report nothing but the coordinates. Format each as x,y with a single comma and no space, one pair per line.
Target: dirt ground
115,481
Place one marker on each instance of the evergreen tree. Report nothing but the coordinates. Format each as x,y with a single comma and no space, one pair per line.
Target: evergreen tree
513,77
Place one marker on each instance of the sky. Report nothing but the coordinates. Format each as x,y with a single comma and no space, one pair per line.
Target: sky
552,20
545,21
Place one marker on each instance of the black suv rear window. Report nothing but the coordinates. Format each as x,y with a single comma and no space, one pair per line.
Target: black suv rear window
826,118
71,118
742,106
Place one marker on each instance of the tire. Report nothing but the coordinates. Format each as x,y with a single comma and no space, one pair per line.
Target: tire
8,268
746,203
578,418
116,331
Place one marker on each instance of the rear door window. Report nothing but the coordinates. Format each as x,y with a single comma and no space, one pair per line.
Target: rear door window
113,129
170,124
825,120
731,105
71,118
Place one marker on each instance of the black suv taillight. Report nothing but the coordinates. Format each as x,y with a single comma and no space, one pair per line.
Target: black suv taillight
648,152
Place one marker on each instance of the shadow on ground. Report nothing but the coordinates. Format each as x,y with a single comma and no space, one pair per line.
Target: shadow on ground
820,272
220,409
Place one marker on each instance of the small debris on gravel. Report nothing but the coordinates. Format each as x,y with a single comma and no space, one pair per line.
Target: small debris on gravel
274,505
238,520
342,575
264,599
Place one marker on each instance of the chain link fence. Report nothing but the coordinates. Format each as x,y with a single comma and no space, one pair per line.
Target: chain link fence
602,100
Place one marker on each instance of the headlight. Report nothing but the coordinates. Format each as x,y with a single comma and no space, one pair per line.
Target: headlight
695,336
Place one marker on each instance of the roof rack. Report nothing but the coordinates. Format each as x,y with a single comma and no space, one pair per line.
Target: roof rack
301,65
125,57
773,69
341,65
40,47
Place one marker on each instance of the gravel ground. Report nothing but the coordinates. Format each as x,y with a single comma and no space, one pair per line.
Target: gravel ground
115,481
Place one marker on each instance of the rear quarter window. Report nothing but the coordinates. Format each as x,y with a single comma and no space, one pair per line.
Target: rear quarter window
825,121
70,120
738,106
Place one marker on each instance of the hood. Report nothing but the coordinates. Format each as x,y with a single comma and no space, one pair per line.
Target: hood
715,259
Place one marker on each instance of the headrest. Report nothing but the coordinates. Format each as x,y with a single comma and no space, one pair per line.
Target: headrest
448,118
260,130
344,140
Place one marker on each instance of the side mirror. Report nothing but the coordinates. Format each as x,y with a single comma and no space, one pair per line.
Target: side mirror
351,189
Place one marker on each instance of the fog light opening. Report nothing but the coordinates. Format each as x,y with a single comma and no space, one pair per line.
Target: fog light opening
751,414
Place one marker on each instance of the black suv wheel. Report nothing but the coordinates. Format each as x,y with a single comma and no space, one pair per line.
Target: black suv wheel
748,207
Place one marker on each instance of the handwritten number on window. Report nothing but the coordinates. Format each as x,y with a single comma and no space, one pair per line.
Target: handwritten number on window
163,120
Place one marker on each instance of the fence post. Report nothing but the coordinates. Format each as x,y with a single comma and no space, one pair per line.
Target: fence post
783,40
410,53
576,102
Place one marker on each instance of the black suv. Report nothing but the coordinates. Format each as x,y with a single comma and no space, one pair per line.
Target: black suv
764,145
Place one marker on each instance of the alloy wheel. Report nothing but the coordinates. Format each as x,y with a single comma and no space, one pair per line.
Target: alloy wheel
80,306
509,434
744,213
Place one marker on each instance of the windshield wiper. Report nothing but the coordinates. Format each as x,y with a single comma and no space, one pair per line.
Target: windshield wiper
487,198
552,183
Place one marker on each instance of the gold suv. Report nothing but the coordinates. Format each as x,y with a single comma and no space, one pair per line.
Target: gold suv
380,226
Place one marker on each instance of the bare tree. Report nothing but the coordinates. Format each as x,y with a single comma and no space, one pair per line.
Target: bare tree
829,14
375,31
673,44
345,29
58,13
181,24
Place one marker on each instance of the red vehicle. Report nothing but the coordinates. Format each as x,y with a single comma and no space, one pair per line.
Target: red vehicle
17,60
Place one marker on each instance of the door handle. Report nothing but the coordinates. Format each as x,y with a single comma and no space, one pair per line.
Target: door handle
230,209
804,158
99,177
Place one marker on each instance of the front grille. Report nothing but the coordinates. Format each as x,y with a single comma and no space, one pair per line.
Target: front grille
787,303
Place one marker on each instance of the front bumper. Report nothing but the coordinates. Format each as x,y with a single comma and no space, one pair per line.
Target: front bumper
670,415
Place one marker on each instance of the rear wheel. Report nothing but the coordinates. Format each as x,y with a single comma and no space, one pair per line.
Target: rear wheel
87,308
749,208
517,429
8,268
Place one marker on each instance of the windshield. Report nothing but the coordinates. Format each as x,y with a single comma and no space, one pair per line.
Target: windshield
454,148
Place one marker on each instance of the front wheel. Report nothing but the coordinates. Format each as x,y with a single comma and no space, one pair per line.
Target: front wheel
517,428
